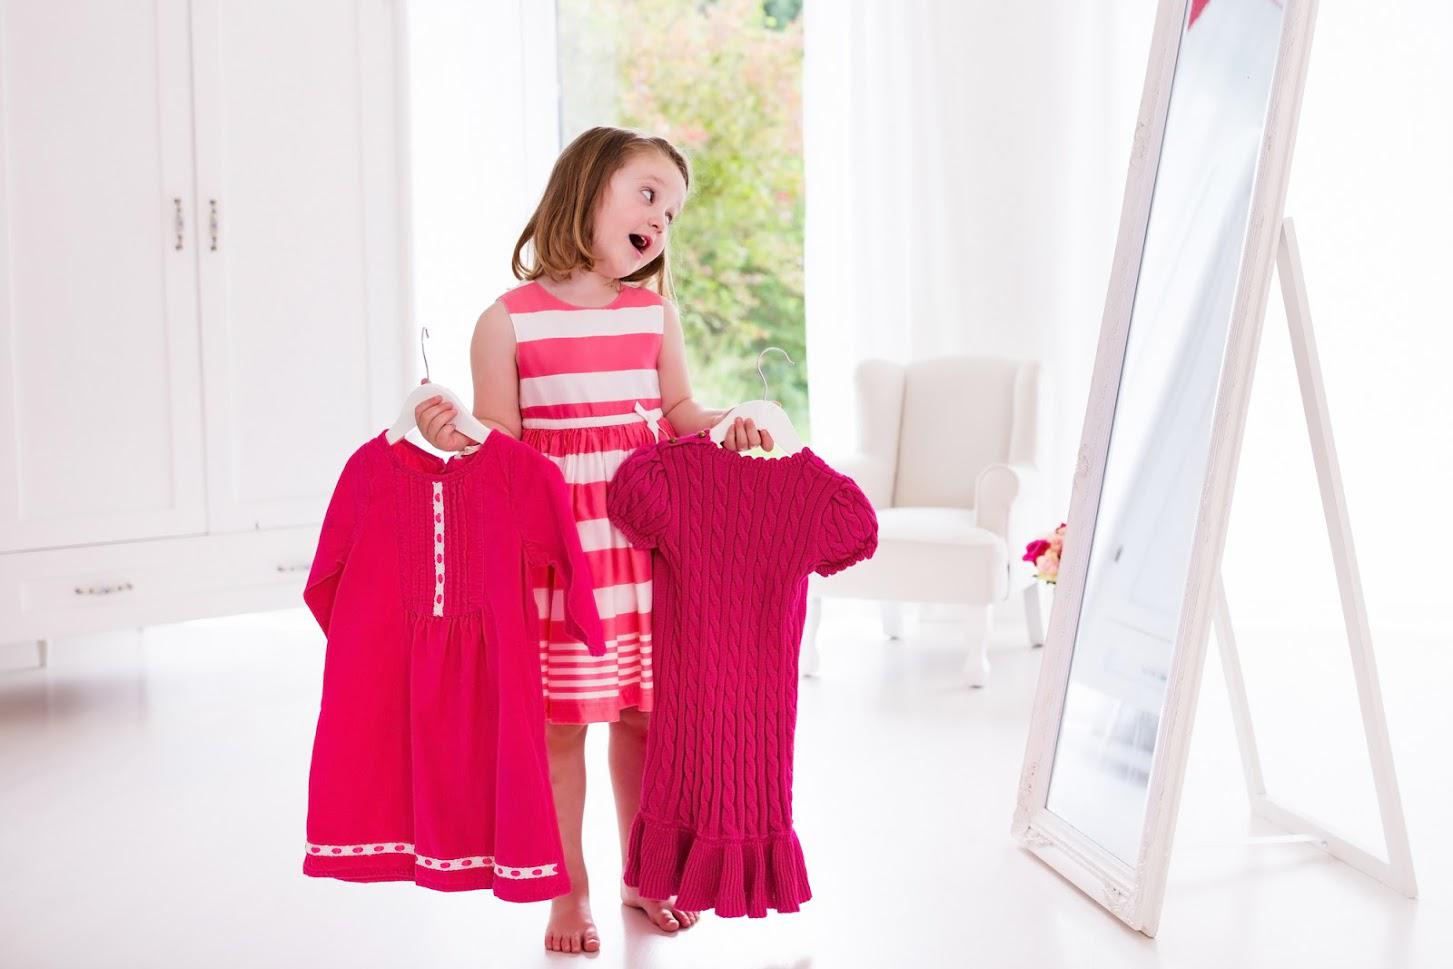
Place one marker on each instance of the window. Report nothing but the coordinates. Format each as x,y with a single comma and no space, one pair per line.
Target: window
721,79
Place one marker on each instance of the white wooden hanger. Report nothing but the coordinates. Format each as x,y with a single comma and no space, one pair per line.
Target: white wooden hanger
768,415
464,420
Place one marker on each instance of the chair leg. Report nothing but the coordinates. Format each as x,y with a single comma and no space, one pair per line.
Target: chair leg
893,619
810,661
976,635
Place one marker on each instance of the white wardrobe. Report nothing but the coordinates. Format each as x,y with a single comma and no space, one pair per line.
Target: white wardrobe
203,297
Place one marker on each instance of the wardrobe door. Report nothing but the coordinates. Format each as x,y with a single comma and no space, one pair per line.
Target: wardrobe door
100,424
302,264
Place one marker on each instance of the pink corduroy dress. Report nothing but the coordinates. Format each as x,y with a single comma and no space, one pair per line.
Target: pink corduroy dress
429,761
735,537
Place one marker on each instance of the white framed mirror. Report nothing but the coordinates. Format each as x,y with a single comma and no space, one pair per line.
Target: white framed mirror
1204,197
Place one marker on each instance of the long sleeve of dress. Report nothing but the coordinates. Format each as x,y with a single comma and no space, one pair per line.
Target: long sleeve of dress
335,540
541,507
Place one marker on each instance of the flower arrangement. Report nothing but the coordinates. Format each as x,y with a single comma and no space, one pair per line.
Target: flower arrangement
1044,552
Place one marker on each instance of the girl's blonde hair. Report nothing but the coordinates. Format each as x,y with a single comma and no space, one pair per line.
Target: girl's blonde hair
564,221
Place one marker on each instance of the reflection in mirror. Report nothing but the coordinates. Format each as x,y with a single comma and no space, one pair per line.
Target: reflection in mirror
1160,437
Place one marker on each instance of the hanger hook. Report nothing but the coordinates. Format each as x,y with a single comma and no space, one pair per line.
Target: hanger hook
423,334
764,376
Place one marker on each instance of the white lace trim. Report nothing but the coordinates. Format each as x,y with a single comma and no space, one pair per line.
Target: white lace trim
441,864
438,548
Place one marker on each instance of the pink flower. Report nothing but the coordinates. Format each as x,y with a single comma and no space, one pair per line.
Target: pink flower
1045,553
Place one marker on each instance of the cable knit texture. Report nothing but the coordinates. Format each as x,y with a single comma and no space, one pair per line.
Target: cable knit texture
735,537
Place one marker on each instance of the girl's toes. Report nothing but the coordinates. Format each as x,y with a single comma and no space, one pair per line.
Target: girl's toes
574,942
592,943
664,919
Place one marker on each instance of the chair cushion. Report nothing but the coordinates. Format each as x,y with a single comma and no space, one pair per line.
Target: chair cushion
927,555
937,526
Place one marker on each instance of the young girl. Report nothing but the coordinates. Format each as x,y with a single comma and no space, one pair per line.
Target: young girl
585,365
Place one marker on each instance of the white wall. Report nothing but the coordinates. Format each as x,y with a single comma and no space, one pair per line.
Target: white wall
1373,205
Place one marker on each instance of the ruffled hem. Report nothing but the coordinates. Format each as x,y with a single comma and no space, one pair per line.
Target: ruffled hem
735,878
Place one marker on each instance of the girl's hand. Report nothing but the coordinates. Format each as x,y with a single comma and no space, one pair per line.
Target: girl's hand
433,415
743,435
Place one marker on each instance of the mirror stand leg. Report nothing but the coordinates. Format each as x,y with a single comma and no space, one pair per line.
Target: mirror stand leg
976,638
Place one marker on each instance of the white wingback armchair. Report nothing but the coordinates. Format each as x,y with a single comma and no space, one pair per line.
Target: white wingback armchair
945,452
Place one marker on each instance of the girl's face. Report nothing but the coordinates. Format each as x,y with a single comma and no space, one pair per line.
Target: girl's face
635,214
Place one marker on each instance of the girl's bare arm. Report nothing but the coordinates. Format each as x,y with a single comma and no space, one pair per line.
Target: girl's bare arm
496,380
496,386
682,412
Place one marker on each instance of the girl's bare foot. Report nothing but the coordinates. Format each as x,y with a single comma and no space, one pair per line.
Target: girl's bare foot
571,928
665,915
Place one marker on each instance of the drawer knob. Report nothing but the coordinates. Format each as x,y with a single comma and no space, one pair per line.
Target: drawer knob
103,590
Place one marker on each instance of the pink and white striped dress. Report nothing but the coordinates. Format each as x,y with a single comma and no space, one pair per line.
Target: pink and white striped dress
589,396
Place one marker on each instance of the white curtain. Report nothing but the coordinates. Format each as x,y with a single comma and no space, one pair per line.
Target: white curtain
965,169
484,129
963,187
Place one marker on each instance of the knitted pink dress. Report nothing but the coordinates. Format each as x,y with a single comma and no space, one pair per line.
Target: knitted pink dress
735,537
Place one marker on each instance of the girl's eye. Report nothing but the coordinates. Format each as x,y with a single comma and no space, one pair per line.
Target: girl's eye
669,218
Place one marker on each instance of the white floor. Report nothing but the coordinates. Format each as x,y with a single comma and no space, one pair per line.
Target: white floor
152,796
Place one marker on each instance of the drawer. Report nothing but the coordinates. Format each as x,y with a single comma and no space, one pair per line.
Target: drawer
85,589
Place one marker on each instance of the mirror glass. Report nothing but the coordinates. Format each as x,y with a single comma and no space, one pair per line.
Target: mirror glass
1160,435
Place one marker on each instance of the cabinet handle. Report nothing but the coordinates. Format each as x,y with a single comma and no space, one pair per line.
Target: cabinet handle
103,590
295,567
212,222
178,222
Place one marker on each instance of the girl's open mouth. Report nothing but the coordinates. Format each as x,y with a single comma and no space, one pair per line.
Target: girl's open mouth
640,242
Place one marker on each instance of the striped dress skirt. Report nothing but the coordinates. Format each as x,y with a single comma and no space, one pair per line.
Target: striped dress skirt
589,395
